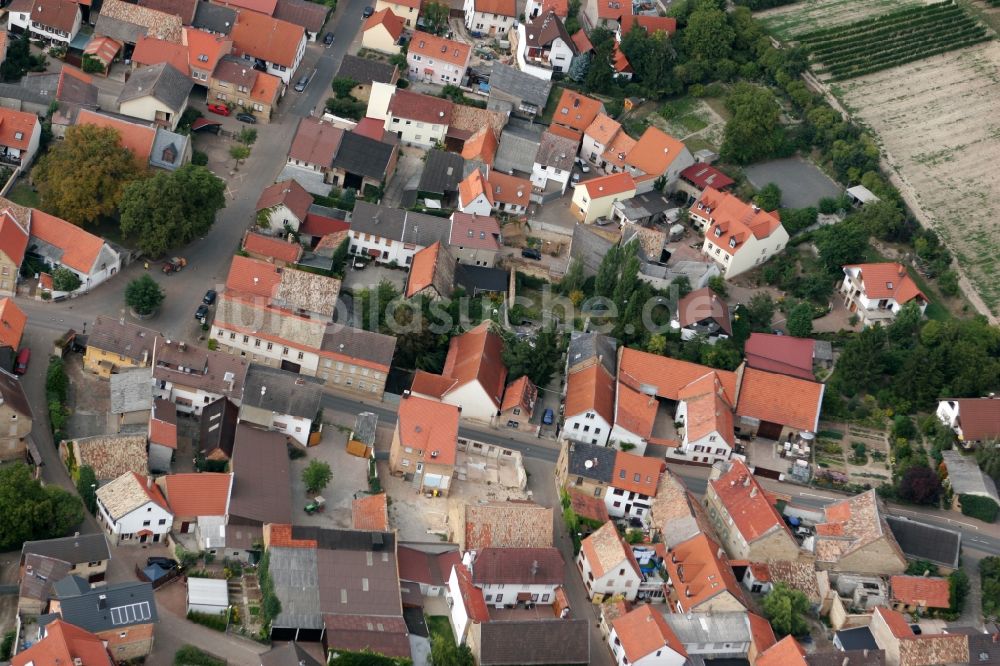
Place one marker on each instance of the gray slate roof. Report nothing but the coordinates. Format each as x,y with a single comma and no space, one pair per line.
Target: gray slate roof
365,426
310,15
364,70
72,549
262,489
857,638
122,31
966,478
164,139
122,605
556,151
282,392
442,172
585,346
295,574
214,18
359,344
518,146
218,426
601,458
359,154
289,654
478,279
380,221
524,642
132,391
716,627
40,573
162,81
921,541
516,83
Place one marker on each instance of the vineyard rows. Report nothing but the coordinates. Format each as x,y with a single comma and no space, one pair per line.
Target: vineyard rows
892,39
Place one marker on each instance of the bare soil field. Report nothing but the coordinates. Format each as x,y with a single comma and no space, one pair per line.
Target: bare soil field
937,125
801,17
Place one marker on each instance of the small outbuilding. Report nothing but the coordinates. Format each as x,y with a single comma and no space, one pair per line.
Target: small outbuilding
207,595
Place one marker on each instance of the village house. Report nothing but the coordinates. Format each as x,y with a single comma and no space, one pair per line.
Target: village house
364,72
15,410
491,18
200,505
60,244
525,95
133,510
576,112
53,21
364,163
433,59
973,420
64,643
162,435
674,514
598,137
392,236
432,273
473,378
192,377
701,578
500,524
966,478
204,51
261,491
593,199
905,647
235,81
540,640
84,555
283,205
918,594
702,312
514,577
642,637
475,239
589,403
553,162
519,400
151,143
158,94
543,46
276,45
427,567
699,176
407,10
748,525
121,615
424,444
283,401
633,485
114,345
110,456
151,51
653,156
854,537
15,221
20,133
382,32
278,251
586,468
783,354
607,565
418,120
311,155
877,292
775,406
218,430
483,194
558,7
738,236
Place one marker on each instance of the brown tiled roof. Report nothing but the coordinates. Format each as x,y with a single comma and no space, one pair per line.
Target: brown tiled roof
510,524
432,266
287,192
423,567
261,479
576,111
65,643
781,353
158,24
205,49
163,424
152,51
852,524
651,24
430,427
370,512
211,371
544,29
309,15
637,474
672,503
587,506
477,355
472,596
16,128
183,8
508,189
315,142
797,575
204,494
59,14
300,290
476,231
128,492
927,650
525,566
265,7
110,456
123,338
422,108
701,572
979,418
605,550
591,389
761,632
520,393
786,652
702,304
267,38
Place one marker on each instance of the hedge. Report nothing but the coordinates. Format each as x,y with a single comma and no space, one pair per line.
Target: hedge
977,506
210,620
189,655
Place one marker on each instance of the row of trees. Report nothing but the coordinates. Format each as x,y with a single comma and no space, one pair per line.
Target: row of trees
32,511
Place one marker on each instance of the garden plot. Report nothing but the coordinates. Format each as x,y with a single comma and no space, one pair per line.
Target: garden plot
937,125
801,17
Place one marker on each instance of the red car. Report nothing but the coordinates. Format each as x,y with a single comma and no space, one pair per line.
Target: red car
21,363
220,109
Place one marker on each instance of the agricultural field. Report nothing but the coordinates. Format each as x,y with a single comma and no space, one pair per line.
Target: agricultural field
809,15
937,125
902,36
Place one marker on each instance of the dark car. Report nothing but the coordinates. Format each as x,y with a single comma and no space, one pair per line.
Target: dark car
162,562
328,38
531,253
246,118
209,297
303,81
201,313
368,12
548,417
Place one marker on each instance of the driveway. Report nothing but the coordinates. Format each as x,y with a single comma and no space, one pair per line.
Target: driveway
407,176
371,276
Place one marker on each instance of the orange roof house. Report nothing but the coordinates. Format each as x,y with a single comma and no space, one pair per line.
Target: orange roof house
271,248
481,146
637,474
204,494
643,631
611,10
426,45
204,49
253,277
608,565
14,223
733,217
786,652
520,394
576,111
589,391
876,292
65,643
426,436
12,323
855,537
702,577
137,138
81,249
385,20
918,593
608,186
18,129
152,51
268,39
509,190
163,424
651,24
656,153
603,129
792,402
283,198
432,272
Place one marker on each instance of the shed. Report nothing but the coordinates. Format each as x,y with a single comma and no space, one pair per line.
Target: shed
207,595
861,195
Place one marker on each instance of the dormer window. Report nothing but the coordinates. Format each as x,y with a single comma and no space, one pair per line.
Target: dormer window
718,232
732,242
202,58
18,135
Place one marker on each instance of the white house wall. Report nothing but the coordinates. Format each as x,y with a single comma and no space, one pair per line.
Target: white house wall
575,428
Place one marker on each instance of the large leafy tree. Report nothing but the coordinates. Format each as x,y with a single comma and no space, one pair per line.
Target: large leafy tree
316,476
539,362
31,511
652,58
435,16
800,320
83,177
841,244
754,131
171,209
708,35
144,295
786,609
920,485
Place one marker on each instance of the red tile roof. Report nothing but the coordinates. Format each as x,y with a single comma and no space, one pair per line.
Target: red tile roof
774,398
370,512
644,631
12,322
520,393
761,632
472,186
979,418
321,225
59,14
605,550
204,494
163,424
542,566
137,138
733,219
565,132
430,427
610,185
481,232
702,304
287,192
387,19
786,652
603,129
705,175
747,503
701,572
427,383
315,142
267,38
635,411
576,111
709,409
581,41
587,506
152,51
612,9
281,535
654,152
373,128
651,24
591,389
80,248
204,48
509,189
253,276
472,596
271,246
666,375
422,108
895,622
921,591
498,7
428,568
14,221
481,146
887,280
782,354
439,48
620,61
261,6
477,355
63,644
16,127
422,269
637,474
558,7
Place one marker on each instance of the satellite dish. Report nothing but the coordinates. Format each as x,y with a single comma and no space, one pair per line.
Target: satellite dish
588,463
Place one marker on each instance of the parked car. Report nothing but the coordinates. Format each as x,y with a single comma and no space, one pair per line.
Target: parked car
328,38
582,163
531,253
548,417
220,109
303,81
209,297
201,314
576,177
246,118
21,362
368,11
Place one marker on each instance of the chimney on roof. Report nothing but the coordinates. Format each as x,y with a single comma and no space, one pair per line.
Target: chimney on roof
753,492
719,554
149,481
746,480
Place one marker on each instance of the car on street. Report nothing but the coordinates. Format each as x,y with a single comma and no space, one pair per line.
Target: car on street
582,163
303,81
21,363
368,11
548,417
201,314
209,297
531,253
220,109
576,178
328,38
246,118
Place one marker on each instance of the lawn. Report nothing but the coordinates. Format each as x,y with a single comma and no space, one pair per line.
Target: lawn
23,195
550,106
684,112
440,625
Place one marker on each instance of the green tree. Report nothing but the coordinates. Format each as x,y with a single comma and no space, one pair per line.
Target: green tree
343,87
989,573
717,283
239,152
539,362
682,285
722,355
657,345
882,219
435,16
82,178
761,311
171,209
63,279
573,279
444,652
607,272
578,67
754,130
958,590
769,198
786,609
144,295
800,320
316,476
652,59
840,245
920,485
600,73
56,380
86,485
374,303
708,35
247,136
345,107
31,511
339,258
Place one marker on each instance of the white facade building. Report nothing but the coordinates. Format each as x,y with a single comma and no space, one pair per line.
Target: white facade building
133,510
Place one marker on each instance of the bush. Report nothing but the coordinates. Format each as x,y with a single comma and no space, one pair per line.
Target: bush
199,158
189,655
7,647
63,279
989,572
217,622
144,295
976,506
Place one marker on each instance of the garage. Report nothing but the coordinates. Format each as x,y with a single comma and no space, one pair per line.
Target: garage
207,595
768,430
